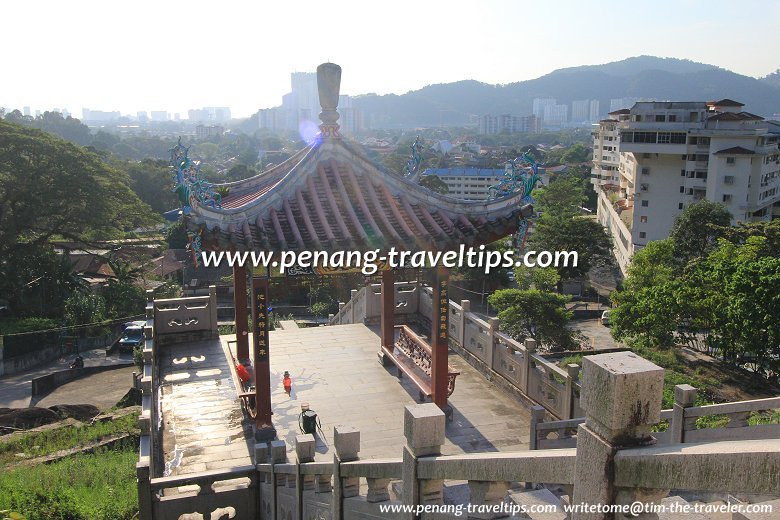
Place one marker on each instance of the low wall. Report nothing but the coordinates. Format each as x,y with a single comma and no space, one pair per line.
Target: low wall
45,384
17,364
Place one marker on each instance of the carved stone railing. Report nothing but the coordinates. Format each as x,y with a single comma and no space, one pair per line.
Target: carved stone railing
186,319
513,365
682,423
612,464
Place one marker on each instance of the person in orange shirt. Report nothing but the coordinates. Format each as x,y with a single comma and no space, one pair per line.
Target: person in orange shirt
287,382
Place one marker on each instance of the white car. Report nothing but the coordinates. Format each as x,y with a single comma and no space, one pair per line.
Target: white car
605,318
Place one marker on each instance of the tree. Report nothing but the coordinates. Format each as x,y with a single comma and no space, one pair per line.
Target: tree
434,183
49,187
542,278
561,198
151,180
696,230
587,237
535,314
82,308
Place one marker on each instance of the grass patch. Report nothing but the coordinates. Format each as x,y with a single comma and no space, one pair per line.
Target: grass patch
98,486
47,442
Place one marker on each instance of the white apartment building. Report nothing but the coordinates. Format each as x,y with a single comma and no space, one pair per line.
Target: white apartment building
653,160
474,183
555,115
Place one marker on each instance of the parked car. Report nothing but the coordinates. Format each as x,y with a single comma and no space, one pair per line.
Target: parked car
131,338
605,318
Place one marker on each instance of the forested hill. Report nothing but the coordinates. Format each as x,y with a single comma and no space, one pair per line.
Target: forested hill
643,76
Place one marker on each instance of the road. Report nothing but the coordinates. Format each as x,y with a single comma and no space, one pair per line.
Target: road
16,389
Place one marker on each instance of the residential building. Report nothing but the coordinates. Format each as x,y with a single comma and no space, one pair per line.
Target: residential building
95,115
580,111
621,103
594,111
209,114
555,115
506,123
203,131
158,115
655,159
539,104
473,183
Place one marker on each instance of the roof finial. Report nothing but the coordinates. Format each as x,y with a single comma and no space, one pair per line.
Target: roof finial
328,84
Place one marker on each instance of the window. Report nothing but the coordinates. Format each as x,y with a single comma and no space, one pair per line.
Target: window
645,171
729,179
701,175
660,119
731,160
672,118
642,234
645,203
726,197
643,219
682,173
680,206
682,189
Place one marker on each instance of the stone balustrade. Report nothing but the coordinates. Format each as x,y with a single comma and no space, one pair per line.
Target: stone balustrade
186,319
614,462
681,422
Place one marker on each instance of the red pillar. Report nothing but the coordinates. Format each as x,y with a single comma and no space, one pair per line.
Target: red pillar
264,429
439,337
387,310
239,302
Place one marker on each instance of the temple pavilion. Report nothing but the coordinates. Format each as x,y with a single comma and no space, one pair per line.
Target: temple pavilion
331,196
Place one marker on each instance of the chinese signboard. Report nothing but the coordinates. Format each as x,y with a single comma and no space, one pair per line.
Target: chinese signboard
260,317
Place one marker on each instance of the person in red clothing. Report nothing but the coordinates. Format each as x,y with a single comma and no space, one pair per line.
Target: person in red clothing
287,382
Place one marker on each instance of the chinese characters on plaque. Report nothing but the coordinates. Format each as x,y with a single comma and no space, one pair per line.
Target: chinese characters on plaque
444,310
260,313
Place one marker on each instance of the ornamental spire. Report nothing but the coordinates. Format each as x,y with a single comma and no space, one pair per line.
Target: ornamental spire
329,84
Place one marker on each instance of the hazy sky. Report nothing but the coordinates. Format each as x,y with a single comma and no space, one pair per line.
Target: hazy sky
172,55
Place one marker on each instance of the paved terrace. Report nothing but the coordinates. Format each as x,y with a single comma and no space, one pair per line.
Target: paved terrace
336,371
203,427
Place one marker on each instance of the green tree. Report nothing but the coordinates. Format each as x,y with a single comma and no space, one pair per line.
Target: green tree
696,230
544,279
49,187
535,314
152,180
582,235
82,308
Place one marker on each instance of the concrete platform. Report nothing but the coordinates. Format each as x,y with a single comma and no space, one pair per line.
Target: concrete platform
336,371
203,425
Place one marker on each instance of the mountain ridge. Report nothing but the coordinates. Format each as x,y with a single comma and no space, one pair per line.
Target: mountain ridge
640,76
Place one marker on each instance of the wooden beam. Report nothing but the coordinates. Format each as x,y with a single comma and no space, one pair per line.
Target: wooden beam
239,304
264,429
439,336
387,310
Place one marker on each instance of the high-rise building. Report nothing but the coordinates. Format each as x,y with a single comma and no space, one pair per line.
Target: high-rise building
209,114
539,104
555,115
506,123
158,115
594,111
96,115
26,111
580,111
621,103
655,159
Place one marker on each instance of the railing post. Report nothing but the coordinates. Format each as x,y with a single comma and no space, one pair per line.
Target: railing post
537,417
352,295
493,325
572,373
144,491
465,306
346,441
530,349
621,395
424,431
684,397
278,456
304,452
213,309
488,493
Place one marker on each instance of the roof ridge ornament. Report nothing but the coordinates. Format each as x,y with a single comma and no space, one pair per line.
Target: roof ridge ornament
329,85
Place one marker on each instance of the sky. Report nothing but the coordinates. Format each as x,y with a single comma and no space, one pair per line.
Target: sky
172,55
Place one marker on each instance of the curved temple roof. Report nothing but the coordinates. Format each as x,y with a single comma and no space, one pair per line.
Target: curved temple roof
331,196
